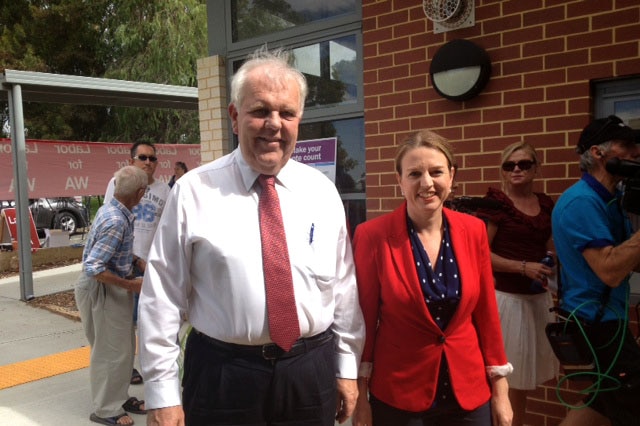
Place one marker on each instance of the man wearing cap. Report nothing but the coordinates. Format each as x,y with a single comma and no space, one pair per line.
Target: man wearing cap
597,252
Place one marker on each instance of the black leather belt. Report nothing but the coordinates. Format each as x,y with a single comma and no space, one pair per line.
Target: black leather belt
270,351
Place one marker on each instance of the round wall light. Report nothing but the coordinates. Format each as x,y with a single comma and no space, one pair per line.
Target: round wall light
459,70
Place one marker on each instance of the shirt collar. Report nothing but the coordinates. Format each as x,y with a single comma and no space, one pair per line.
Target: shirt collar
249,176
125,211
598,188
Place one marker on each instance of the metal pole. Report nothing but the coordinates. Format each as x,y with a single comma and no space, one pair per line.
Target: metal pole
18,148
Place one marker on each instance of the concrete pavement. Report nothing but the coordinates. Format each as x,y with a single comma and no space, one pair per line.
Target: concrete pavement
27,333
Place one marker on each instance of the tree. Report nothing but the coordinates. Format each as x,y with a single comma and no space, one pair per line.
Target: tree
151,41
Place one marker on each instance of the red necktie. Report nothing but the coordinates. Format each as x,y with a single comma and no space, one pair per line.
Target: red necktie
281,302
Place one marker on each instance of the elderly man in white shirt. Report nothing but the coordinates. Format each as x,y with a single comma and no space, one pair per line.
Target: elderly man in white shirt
207,262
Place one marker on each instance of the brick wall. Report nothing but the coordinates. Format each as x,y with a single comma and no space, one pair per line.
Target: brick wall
544,54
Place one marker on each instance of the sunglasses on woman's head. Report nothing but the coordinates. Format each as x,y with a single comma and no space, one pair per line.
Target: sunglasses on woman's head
509,166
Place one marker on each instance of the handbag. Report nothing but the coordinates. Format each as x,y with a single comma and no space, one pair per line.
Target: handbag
569,344
568,338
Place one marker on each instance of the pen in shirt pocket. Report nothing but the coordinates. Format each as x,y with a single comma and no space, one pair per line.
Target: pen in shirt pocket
311,232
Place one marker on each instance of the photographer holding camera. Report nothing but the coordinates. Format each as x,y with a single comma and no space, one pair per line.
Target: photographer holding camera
597,252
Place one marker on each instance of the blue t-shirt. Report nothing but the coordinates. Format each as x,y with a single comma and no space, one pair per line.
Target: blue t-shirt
587,215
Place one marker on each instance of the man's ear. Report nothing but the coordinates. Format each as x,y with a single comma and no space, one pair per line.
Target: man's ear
233,114
596,152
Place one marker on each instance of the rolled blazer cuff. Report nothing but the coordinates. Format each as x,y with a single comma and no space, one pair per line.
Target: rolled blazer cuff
499,370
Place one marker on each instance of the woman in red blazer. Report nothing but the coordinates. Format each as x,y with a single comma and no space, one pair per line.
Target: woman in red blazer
433,352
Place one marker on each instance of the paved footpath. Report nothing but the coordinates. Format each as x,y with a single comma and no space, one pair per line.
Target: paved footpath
33,334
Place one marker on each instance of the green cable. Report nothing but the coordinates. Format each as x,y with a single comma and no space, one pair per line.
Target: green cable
600,377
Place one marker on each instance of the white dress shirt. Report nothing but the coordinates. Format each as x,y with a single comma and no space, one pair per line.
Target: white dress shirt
206,261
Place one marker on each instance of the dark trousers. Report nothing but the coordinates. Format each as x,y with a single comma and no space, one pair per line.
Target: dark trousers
617,396
386,415
227,387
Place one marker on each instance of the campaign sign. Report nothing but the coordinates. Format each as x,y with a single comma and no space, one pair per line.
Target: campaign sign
318,153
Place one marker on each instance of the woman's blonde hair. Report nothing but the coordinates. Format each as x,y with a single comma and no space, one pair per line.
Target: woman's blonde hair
426,139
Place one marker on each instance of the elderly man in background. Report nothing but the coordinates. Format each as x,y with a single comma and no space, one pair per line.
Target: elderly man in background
104,296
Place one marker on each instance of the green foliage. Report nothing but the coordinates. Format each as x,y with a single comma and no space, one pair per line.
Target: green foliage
149,41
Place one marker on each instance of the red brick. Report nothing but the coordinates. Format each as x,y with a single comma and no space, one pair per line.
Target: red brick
380,61
420,68
501,24
502,84
627,67
410,28
547,139
381,166
512,7
378,88
620,17
376,141
375,8
376,36
590,72
521,35
545,109
615,52
567,91
408,83
543,47
410,56
382,192
393,45
371,103
590,39
412,110
628,33
393,73
393,18
566,27
371,128
522,65
566,59
543,15
545,78
523,96
486,10
397,125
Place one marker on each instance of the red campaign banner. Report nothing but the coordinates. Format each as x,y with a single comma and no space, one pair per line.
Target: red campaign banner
69,169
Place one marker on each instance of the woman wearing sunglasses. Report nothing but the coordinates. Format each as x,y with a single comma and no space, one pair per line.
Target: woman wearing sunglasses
520,235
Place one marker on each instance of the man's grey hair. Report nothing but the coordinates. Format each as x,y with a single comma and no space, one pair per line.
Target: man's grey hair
129,180
587,162
278,65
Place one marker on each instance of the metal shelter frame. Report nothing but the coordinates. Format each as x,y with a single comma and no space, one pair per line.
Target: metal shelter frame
27,86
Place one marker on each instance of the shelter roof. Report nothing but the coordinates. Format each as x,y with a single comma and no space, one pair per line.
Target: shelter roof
59,88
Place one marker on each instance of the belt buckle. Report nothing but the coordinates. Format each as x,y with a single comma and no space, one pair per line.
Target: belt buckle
270,351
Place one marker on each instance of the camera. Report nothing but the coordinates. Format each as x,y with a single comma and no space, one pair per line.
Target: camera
631,185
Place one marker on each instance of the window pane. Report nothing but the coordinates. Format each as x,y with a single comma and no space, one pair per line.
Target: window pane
253,18
331,70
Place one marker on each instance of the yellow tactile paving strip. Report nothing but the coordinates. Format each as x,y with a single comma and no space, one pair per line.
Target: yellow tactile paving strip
43,367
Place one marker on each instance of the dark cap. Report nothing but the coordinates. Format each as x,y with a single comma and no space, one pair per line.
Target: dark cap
604,130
